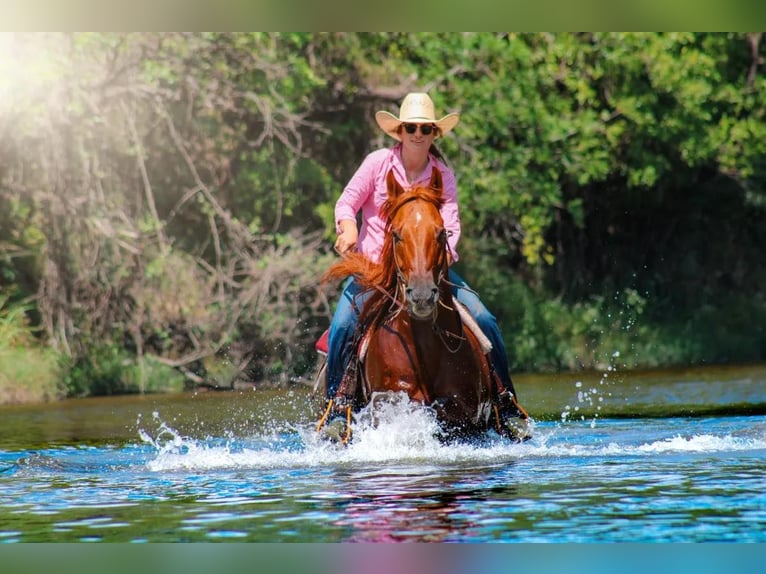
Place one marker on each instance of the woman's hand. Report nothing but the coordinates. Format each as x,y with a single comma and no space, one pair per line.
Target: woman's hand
346,240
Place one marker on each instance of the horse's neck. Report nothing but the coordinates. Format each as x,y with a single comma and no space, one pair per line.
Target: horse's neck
428,348
448,316
434,342
444,331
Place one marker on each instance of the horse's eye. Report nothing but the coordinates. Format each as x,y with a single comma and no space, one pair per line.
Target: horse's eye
442,236
397,236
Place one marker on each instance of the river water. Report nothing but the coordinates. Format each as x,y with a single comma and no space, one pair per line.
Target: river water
616,457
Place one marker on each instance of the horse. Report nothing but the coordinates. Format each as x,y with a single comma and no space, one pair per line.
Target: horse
417,340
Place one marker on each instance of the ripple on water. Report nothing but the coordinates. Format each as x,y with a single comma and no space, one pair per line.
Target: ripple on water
620,480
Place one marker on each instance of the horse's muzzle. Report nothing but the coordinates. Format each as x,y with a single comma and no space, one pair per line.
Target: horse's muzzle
421,298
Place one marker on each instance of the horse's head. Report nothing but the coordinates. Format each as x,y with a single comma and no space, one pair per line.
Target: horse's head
417,244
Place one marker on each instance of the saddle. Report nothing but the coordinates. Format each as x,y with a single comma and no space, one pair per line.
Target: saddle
350,380
353,392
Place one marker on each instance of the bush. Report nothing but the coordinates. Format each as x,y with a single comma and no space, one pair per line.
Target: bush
622,329
110,370
28,371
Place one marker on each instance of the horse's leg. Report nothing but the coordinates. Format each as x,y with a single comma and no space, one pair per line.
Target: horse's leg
335,429
511,417
387,366
391,363
342,362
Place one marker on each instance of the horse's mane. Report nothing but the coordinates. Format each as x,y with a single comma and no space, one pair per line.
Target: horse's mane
381,278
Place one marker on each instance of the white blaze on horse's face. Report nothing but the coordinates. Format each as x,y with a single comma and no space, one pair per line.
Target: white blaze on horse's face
421,289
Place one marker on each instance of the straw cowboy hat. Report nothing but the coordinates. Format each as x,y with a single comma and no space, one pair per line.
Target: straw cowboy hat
416,108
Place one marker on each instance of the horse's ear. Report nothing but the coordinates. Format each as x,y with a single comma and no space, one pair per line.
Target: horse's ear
394,189
436,180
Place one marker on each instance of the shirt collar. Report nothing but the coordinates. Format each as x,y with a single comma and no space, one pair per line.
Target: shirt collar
397,164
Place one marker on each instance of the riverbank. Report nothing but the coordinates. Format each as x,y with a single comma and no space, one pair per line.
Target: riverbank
29,375
691,391
580,400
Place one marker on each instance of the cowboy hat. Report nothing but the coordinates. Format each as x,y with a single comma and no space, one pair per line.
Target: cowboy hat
416,108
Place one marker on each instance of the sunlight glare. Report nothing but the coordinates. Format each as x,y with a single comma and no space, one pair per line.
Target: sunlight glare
28,69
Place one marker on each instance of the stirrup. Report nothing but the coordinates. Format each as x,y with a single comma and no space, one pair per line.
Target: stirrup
511,420
335,423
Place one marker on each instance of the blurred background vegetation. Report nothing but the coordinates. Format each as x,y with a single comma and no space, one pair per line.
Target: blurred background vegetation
166,199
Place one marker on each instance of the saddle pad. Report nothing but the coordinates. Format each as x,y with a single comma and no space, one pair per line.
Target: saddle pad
322,345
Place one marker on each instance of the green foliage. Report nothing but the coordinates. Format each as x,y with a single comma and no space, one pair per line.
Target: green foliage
111,370
28,370
29,374
549,334
14,326
172,195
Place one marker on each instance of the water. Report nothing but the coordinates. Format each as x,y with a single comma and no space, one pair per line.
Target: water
247,467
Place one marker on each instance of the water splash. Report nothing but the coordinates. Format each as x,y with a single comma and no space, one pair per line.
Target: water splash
592,398
398,432
395,430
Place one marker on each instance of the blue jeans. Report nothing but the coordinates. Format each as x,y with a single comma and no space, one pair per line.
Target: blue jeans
346,317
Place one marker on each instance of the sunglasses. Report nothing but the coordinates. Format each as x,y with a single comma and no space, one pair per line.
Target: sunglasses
424,129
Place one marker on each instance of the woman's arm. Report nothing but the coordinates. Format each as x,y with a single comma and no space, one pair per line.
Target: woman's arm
346,240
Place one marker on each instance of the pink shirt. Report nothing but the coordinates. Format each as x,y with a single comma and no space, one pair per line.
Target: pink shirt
366,191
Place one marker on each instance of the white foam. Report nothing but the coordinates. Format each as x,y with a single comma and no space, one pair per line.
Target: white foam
405,433
703,443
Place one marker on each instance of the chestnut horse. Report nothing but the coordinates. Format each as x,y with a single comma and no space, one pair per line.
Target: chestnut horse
416,340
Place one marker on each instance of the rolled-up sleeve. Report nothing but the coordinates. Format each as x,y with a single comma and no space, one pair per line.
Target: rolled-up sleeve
357,191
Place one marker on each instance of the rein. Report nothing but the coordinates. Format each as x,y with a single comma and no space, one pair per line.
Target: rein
401,285
444,334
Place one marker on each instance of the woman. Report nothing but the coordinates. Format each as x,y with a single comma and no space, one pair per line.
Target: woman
416,128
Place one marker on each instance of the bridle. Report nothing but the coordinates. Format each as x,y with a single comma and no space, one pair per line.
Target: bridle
399,296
